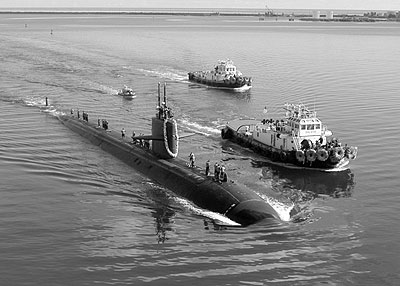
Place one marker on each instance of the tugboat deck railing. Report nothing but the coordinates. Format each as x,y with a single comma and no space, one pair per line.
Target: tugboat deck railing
298,111
237,124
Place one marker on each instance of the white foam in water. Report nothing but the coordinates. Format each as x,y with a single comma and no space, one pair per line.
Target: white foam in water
35,101
220,219
193,126
172,75
282,209
107,89
41,103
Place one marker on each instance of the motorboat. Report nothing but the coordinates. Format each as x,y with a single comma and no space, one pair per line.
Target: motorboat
127,92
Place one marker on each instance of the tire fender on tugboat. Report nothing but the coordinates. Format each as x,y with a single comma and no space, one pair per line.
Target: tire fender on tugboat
352,153
300,156
334,157
311,155
322,155
339,152
283,156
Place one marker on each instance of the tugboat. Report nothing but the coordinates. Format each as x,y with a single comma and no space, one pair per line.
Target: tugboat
127,92
299,140
224,76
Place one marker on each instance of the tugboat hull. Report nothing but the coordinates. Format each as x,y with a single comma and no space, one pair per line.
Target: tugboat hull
241,85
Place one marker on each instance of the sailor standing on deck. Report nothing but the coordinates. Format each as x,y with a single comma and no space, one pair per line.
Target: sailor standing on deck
222,176
105,124
191,160
216,171
208,168
133,137
123,133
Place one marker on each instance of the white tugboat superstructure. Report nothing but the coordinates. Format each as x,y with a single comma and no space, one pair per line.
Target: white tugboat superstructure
299,139
224,75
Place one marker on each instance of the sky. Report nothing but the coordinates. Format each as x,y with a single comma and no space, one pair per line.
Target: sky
252,4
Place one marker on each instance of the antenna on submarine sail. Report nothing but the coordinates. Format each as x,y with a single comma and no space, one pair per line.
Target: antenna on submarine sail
165,127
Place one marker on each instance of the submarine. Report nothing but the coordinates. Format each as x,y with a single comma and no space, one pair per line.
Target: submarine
157,159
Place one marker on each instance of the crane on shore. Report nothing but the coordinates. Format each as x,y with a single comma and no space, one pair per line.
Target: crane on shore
268,11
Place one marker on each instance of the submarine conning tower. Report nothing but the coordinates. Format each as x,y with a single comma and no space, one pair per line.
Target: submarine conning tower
164,129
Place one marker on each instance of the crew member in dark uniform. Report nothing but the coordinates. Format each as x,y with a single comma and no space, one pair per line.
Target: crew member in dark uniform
207,168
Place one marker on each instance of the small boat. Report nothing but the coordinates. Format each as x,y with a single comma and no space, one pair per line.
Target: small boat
224,76
299,140
127,92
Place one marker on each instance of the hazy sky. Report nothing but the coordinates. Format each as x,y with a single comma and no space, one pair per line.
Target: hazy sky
273,4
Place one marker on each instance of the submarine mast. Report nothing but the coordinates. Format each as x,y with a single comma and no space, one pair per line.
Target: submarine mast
164,127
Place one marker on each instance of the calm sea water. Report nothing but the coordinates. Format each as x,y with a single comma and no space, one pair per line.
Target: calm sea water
72,214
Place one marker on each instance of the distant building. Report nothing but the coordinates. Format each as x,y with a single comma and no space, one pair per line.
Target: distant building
329,15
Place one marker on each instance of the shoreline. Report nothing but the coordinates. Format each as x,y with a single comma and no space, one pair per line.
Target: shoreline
188,13
300,16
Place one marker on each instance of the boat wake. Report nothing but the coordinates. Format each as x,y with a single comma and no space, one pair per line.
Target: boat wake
165,197
35,101
282,209
198,128
108,90
40,102
166,73
217,218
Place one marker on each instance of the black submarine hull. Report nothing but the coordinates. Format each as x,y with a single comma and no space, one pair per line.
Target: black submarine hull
238,203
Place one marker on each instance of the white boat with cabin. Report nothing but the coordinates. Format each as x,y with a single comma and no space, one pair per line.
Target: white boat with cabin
127,92
224,75
299,140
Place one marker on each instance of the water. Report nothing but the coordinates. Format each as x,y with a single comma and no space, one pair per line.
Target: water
72,214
